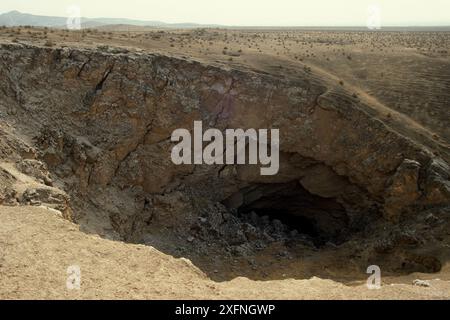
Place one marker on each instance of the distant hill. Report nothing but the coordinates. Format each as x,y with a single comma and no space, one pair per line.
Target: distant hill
16,18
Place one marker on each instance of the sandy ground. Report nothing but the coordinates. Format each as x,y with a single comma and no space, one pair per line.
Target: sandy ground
37,247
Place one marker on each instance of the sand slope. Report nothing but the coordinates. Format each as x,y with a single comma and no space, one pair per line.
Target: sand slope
37,246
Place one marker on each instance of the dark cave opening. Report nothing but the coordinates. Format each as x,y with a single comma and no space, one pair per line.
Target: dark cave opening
303,225
320,219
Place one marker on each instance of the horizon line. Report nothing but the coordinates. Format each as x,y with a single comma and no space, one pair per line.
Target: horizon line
218,25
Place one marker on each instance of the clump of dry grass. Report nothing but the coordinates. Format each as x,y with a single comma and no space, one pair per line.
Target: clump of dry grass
49,43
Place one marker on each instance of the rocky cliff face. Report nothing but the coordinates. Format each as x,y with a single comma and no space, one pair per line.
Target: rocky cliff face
100,122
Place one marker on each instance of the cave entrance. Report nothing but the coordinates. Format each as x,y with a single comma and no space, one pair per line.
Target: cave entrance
320,219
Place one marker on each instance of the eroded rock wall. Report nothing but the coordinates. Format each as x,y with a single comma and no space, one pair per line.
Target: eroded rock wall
102,122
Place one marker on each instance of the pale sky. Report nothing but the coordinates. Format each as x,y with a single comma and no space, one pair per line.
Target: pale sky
249,12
